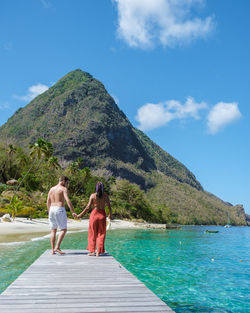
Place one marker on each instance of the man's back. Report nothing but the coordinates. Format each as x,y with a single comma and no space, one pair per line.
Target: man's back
56,195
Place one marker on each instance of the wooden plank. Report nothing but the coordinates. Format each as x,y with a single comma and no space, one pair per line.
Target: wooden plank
76,283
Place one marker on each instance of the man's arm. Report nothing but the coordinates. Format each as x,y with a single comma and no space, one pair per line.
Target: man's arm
87,207
66,197
48,202
109,207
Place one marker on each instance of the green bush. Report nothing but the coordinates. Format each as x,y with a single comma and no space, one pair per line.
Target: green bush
130,202
3,187
30,181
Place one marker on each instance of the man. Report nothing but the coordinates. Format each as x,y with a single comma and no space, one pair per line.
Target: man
57,213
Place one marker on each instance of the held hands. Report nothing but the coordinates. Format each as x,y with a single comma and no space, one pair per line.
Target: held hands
79,216
76,216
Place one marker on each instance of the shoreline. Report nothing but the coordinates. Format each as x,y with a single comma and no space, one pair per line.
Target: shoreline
23,229
31,230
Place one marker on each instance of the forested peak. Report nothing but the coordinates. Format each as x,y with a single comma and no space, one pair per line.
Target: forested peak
75,77
79,117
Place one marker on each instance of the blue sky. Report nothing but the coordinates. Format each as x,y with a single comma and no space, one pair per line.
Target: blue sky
178,69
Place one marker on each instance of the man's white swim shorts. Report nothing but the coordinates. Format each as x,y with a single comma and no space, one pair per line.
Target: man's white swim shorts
57,217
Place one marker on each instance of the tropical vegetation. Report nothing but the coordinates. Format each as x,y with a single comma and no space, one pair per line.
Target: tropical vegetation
37,169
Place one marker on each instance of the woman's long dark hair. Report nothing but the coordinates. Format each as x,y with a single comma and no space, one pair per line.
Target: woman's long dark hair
99,189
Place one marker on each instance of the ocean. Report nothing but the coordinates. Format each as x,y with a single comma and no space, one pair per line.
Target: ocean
190,270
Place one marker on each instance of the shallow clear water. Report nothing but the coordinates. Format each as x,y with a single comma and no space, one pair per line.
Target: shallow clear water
190,270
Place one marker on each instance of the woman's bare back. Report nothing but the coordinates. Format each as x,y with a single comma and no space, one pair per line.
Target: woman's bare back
99,203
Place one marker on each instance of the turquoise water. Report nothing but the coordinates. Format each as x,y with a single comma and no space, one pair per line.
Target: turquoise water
190,270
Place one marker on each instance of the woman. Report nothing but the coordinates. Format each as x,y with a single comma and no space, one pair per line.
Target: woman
97,220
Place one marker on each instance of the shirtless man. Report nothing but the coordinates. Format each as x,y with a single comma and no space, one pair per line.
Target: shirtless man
57,213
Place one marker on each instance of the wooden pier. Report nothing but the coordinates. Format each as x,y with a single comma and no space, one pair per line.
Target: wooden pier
77,283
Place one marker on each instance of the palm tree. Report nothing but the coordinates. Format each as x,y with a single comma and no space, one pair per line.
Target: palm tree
74,167
53,162
22,159
11,150
7,165
41,148
15,206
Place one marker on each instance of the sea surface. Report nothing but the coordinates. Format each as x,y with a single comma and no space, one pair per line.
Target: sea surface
190,270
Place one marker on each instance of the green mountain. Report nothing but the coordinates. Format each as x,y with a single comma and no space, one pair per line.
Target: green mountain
81,119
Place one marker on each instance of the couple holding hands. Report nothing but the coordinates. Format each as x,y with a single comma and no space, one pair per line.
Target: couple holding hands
97,220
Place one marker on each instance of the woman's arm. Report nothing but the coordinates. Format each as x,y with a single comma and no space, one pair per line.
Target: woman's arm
87,207
109,207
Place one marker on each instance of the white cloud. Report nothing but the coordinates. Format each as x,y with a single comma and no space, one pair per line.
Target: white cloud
33,91
5,106
142,23
46,4
221,115
152,115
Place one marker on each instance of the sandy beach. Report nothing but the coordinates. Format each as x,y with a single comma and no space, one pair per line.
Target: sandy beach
23,229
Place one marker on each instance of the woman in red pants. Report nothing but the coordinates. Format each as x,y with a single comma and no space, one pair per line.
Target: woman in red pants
97,220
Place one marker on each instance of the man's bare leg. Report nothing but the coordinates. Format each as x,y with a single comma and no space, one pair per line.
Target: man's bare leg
59,240
53,240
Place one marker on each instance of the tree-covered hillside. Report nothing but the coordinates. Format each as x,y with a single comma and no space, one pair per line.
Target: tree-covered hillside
81,120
